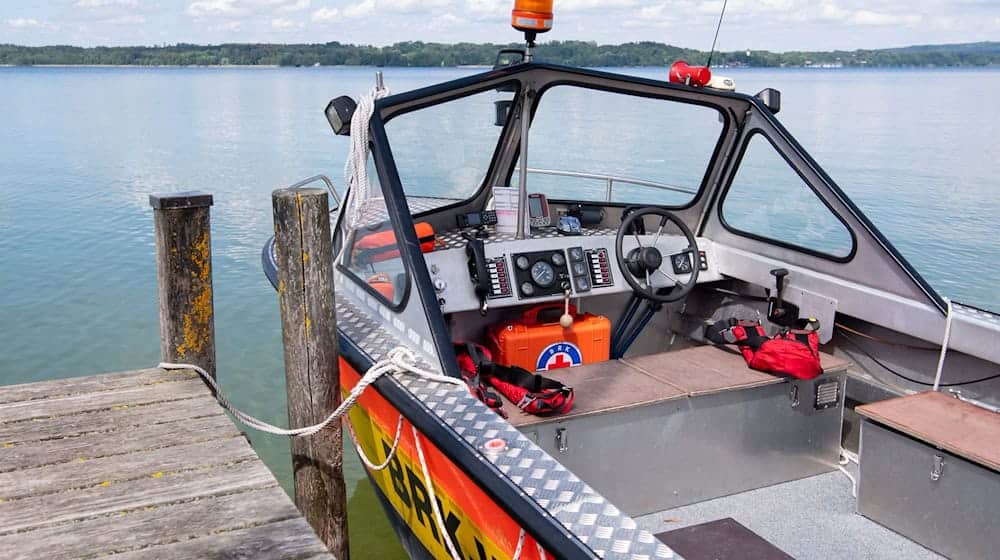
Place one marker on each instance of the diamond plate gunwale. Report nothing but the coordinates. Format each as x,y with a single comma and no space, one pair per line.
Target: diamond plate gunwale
455,239
586,515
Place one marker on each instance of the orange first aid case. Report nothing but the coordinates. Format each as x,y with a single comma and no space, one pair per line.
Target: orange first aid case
537,342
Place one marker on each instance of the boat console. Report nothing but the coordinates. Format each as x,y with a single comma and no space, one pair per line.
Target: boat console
543,267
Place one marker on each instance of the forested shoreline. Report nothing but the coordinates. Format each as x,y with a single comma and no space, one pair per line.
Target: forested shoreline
417,53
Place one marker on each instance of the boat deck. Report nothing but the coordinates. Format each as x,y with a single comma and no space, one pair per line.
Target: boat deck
140,464
813,518
641,381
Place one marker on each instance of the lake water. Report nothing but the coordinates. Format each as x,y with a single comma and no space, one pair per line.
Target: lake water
81,148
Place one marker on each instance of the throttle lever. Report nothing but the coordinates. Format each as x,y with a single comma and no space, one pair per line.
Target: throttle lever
779,285
779,312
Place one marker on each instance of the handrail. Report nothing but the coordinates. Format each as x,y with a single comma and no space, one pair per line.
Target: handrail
610,180
329,187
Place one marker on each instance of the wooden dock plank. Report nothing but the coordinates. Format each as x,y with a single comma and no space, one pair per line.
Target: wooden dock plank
61,507
130,466
138,464
137,529
92,384
90,402
41,429
273,541
104,444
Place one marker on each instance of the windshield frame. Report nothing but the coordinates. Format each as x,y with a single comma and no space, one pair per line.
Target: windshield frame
666,96
540,77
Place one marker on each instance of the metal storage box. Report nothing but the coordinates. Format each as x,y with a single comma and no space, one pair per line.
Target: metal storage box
935,498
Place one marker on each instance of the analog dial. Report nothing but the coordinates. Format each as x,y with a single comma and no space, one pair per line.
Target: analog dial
558,259
543,274
523,263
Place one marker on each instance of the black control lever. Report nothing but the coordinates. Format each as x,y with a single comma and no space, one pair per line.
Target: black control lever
779,312
475,252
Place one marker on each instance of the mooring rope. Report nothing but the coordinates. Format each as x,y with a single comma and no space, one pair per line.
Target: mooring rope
944,346
398,360
361,452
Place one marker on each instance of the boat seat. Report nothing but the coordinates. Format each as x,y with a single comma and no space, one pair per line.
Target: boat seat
961,428
644,380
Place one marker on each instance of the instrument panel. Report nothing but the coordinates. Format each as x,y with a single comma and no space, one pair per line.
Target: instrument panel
536,270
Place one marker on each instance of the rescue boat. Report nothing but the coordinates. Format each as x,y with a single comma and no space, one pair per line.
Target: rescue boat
641,267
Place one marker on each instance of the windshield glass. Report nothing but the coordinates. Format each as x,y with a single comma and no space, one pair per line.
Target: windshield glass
443,152
585,142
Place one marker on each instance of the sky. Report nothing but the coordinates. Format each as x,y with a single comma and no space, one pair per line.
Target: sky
778,25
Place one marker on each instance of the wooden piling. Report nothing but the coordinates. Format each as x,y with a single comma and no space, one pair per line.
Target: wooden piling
304,255
184,276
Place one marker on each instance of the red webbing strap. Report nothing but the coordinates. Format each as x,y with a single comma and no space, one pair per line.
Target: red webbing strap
530,392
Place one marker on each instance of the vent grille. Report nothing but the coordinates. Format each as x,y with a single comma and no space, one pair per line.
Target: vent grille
827,394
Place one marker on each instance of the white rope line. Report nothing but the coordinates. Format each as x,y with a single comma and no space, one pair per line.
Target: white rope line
845,458
361,452
356,167
400,359
433,497
944,346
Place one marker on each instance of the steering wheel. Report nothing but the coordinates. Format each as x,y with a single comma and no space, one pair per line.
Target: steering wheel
641,264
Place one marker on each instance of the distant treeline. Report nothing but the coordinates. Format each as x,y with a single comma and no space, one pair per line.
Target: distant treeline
416,53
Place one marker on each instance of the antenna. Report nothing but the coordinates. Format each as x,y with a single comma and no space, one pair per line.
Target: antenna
717,28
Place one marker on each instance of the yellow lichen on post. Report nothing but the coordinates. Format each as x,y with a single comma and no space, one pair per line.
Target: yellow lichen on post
198,321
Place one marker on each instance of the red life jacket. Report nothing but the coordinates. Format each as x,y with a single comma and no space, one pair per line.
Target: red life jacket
793,352
531,393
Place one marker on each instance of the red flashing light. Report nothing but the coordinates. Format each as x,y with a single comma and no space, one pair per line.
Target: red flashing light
683,73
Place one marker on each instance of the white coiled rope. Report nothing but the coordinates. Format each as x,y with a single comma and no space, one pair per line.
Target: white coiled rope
399,359
356,167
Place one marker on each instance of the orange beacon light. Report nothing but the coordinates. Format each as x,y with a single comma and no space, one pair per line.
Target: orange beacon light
532,16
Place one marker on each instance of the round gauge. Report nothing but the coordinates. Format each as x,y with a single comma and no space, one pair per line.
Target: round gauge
558,259
682,263
528,289
523,263
543,274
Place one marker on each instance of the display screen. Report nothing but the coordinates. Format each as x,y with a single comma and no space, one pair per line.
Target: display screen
535,207
474,219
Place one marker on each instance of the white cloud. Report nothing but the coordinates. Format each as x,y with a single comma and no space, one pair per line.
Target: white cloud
361,9
868,17
204,8
577,5
326,15
126,20
297,6
25,23
106,3
284,24
228,26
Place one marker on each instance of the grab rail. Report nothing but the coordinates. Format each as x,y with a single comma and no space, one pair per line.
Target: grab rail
610,180
329,187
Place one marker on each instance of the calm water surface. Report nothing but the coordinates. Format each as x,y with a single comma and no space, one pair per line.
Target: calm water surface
80,150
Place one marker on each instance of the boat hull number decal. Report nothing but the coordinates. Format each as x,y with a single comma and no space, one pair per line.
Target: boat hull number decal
478,527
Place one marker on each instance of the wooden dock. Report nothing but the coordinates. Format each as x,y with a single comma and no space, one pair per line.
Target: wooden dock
141,464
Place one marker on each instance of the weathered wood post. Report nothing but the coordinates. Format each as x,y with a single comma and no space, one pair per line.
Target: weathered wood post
184,276
304,252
